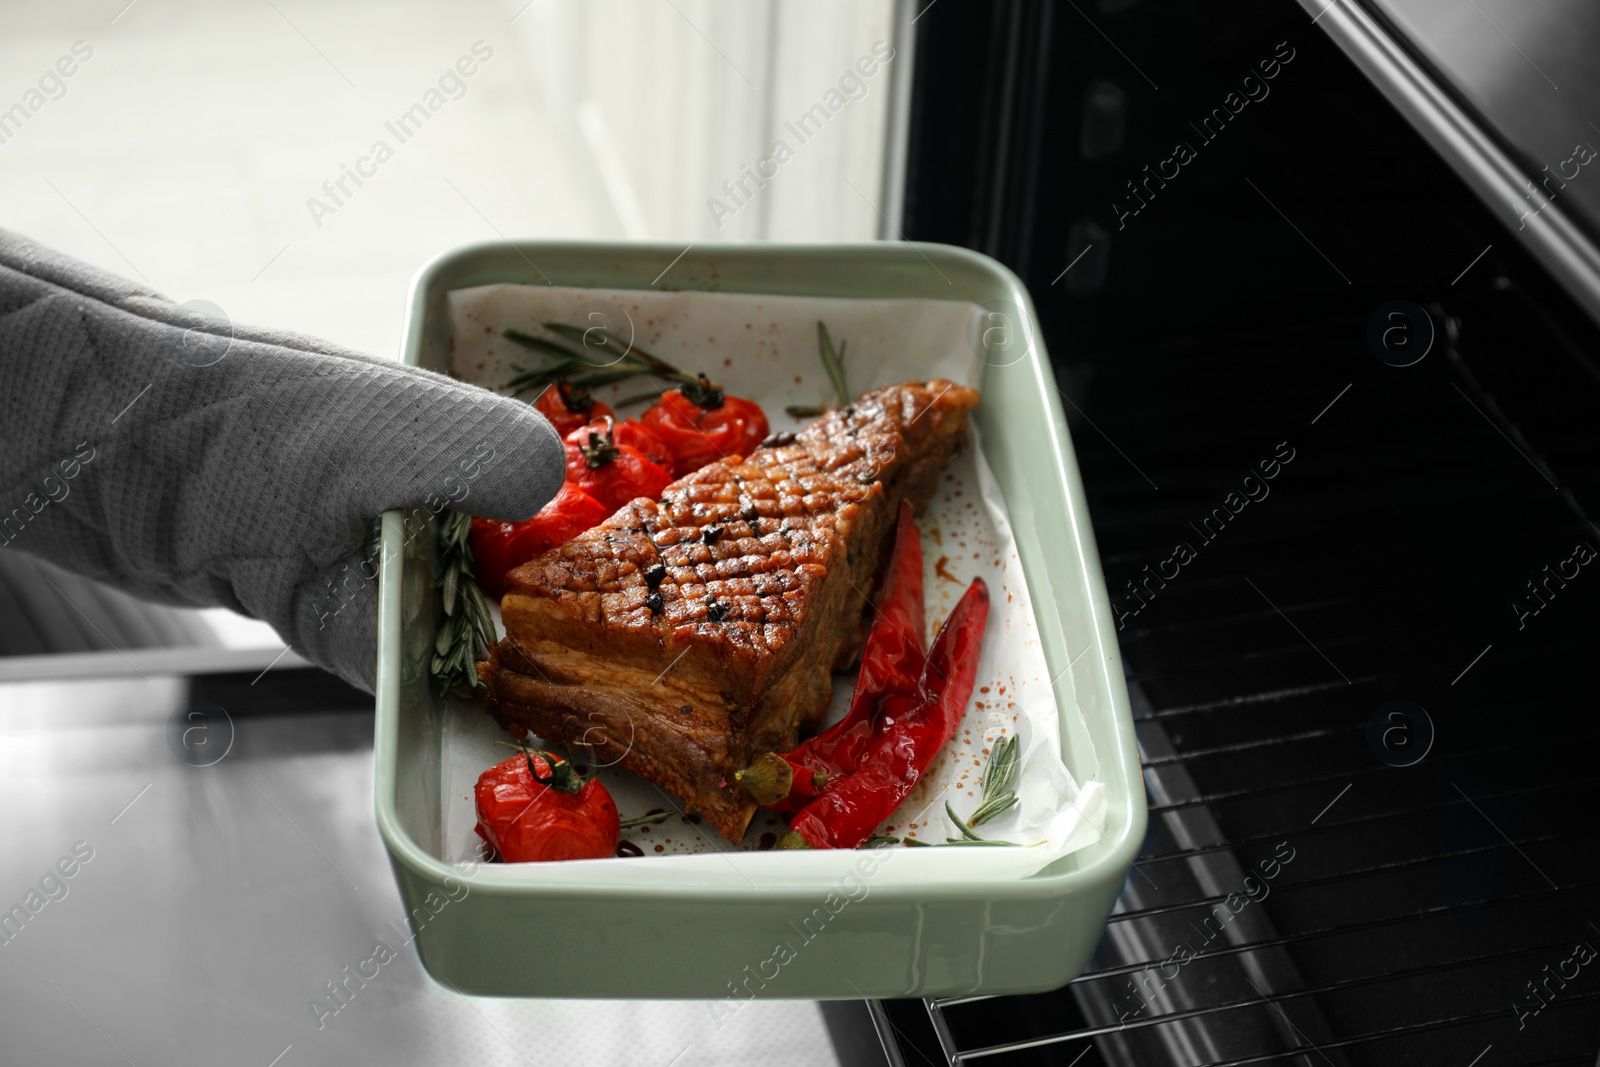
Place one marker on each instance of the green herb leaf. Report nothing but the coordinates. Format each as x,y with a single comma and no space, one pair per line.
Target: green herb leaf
447,589
833,363
647,820
466,629
591,339
990,809
966,832
998,775
996,798
560,351
595,338
598,359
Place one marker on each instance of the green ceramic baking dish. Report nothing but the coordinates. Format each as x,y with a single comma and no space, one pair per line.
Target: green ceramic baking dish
501,931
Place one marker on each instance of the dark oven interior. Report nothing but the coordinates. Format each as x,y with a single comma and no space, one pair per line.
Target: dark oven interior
1354,569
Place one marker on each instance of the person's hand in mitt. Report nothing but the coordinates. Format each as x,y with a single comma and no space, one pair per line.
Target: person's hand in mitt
193,462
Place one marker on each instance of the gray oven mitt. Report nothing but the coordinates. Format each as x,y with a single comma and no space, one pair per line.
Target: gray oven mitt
193,462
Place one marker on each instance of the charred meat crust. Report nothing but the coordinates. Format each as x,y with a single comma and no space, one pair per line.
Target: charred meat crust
735,596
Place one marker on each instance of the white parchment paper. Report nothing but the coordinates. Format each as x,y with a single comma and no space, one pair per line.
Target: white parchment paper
765,348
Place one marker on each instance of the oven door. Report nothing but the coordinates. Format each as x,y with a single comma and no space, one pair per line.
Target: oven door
1336,406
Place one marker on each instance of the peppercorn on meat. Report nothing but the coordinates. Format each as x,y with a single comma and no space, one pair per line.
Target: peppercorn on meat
685,636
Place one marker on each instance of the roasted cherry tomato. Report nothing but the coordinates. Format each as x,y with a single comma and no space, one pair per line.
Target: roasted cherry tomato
700,433
536,807
610,471
635,433
493,554
500,547
568,408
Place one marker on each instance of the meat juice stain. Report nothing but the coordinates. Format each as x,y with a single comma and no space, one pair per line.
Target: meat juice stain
767,841
940,569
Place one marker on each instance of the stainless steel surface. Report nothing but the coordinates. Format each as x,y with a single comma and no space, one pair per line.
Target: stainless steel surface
45,609
1550,233
57,624
234,871
140,663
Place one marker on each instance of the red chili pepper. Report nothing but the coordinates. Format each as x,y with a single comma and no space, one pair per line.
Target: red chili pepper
500,547
568,408
904,742
891,661
782,783
610,471
701,433
535,807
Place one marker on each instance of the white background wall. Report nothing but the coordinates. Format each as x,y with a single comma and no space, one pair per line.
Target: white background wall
670,99
185,151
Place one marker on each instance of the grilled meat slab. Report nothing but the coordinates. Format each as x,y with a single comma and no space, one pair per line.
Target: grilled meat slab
685,636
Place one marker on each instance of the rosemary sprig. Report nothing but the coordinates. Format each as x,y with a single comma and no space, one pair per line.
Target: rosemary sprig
466,629
833,364
982,842
997,797
912,842
580,366
647,820
967,833
996,782
610,344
